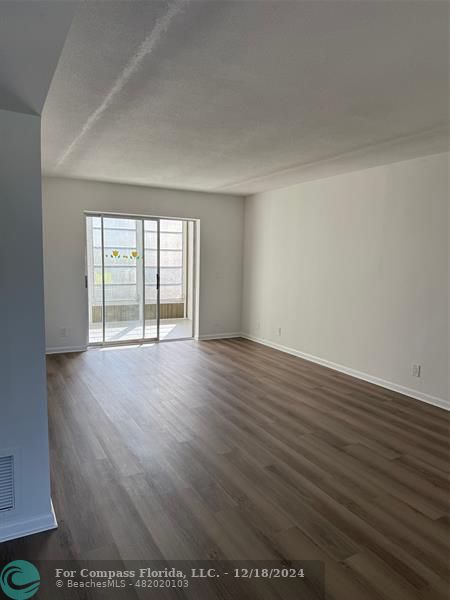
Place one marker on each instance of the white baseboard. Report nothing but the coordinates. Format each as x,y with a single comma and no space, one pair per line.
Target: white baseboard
395,387
65,349
219,336
18,529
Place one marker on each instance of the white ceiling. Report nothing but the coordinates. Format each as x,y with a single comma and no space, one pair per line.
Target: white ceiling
248,95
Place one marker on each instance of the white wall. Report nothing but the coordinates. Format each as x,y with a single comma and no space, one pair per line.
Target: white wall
354,270
23,400
221,228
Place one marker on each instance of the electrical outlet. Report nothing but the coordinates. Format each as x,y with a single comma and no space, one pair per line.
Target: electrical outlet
416,370
63,332
279,330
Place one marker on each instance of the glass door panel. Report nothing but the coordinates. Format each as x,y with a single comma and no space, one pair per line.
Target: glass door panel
151,278
122,279
175,318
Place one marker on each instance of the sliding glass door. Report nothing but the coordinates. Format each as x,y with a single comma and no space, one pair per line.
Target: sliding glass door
140,278
122,278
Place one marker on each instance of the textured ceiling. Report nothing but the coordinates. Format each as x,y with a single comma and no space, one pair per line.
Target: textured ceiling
248,95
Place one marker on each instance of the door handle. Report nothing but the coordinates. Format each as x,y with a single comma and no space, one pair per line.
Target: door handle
157,281
85,281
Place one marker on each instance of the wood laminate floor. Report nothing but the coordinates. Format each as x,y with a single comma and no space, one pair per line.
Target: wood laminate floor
231,450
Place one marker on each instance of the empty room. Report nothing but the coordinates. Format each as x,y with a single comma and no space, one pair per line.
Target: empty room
224,290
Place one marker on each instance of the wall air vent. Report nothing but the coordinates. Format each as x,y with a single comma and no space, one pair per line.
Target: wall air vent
6,483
